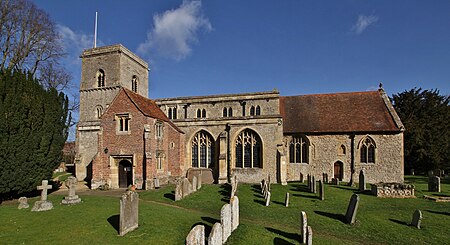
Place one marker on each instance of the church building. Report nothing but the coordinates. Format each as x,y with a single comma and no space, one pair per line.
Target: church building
125,138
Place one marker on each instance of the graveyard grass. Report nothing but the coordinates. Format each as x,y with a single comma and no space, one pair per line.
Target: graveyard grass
164,221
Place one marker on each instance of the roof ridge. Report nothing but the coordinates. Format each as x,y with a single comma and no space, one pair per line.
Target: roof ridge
339,93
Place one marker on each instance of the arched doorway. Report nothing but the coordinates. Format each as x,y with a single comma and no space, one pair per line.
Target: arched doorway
338,170
125,174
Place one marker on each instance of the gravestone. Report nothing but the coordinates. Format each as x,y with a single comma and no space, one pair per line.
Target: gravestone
215,237
186,187
156,182
269,182
196,236
234,185
194,183
303,226
43,204
416,219
314,185
179,191
434,183
129,212
412,171
286,200
234,202
309,236
308,180
321,190
302,179
362,181
268,199
225,220
199,181
71,183
352,209
23,203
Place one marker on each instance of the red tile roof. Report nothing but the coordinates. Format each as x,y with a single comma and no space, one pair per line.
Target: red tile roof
149,108
337,113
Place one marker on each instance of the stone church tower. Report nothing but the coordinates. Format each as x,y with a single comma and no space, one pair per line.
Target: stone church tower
104,71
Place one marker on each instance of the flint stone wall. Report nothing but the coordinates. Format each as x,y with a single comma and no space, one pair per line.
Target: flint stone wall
393,190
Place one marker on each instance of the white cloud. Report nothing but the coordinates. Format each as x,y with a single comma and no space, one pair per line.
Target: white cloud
363,22
175,31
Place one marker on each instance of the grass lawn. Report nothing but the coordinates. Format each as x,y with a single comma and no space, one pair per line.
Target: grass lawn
163,221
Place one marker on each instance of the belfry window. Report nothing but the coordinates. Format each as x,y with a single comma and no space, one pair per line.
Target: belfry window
199,113
172,113
134,84
252,111
367,150
100,78
298,150
248,150
258,110
203,113
202,150
227,112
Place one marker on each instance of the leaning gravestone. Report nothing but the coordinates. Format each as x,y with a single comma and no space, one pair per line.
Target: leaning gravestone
321,190
234,202
178,191
303,226
196,236
186,187
23,203
43,204
71,184
215,237
225,220
352,209
362,181
268,199
309,236
416,219
129,212
286,200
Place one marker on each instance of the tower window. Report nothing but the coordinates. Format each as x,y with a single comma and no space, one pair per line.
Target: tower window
100,78
172,113
252,111
258,110
134,84
99,111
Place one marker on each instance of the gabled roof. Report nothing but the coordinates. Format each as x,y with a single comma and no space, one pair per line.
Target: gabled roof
148,107
339,113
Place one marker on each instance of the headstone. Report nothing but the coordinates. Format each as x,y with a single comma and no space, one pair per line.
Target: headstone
215,237
309,181
196,236
416,219
321,190
129,212
430,173
43,204
362,181
352,209
434,183
301,178
234,202
309,236
179,191
303,226
225,220
199,181
71,183
286,200
156,183
262,186
412,171
23,203
186,187
314,185
268,199
194,183
269,182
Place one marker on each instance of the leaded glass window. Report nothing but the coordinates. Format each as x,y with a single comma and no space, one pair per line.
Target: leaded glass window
202,150
248,150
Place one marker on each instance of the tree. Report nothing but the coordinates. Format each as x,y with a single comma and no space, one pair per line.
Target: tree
33,129
426,116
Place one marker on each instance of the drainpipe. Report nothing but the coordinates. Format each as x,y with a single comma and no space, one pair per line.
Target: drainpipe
352,160
227,129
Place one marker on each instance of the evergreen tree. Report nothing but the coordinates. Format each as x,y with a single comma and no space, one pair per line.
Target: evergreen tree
426,116
33,129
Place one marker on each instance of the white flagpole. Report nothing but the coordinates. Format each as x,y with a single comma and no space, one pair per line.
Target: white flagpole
95,31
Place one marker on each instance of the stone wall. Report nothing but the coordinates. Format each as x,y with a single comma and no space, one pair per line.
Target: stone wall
395,190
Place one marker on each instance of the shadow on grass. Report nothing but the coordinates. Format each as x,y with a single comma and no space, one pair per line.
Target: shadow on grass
300,188
440,195
347,188
281,203
170,195
210,220
366,192
208,228
260,202
225,191
281,241
258,195
339,217
399,222
437,212
307,196
292,236
114,222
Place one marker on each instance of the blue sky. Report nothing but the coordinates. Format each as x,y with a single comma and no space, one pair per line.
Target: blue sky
297,47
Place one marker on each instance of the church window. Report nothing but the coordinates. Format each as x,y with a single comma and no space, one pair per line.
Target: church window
248,150
99,110
123,123
258,110
252,111
225,112
298,150
199,113
203,113
134,83
159,160
230,112
342,150
159,130
170,113
202,150
367,150
100,78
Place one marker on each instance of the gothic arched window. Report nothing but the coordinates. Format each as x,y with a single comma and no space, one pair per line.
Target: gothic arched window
199,113
169,113
252,111
225,112
100,78
203,113
248,150
258,110
367,150
99,109
298,150
202,150
230,112
134,83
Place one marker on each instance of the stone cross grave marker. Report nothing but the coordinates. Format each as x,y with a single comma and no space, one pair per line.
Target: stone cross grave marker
352,209
71,184
43,204
321,190
303,226
362,181
309,236
268,199
23,203
215,237
129,212
196,236
234,202
416,219
225,220
286,200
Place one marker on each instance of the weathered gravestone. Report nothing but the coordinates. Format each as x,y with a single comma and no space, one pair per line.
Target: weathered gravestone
225,220
286,200
321,190
303,227
434,184
179,191
309,236
268,199
234,202
23,203
186,187
156,183
196,236
302,179
352,209
215,237
199,181
194,183
269,182
314,186
43,204
71,184
416,219
362,181
325,178
308,182
129,212
234,185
